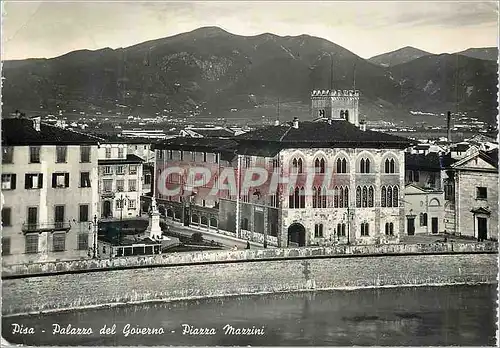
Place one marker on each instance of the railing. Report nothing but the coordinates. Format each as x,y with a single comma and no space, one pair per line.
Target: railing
107,194
44,227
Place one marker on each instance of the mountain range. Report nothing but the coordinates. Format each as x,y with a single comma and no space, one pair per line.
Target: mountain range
211,71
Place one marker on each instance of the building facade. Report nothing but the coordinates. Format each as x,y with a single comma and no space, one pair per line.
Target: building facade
120,181
471,193
49,192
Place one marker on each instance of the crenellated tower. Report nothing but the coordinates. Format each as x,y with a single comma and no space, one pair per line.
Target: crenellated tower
336,105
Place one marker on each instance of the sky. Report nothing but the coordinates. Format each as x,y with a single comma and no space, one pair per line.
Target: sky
35,29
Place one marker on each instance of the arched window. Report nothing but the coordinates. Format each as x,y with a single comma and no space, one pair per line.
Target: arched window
346,197
383,196
319,165
364,165
341,165
341,197
358,197
390,166
365,197
297,165
346,114
395,196
204,220
315,197
302,198
336,197
389,196
291,200
370,197
296,198
195,219
389,229
341,113
322,197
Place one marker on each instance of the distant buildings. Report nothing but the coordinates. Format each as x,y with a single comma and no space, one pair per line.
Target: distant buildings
49,191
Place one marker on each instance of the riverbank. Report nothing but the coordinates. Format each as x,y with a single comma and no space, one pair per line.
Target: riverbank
94,283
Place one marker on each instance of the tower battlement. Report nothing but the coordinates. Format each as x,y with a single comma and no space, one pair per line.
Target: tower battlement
335,93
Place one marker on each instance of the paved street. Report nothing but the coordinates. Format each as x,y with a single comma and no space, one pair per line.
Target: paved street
227,241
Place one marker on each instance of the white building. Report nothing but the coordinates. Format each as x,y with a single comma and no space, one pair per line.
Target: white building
49,191
120,181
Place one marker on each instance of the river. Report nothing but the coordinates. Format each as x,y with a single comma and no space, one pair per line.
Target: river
419,316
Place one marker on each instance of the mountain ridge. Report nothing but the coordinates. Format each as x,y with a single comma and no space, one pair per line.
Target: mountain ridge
211,71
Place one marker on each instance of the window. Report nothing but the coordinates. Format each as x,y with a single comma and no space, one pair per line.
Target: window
297,166
364,165
358,197
322,113
32,216
318,231
59,215
6,216
147,179
389,196
108,152
5,246
216,158
59,241
395,196
107,170
276,164
120,170
389,229
33,181
120,152
84,179
8,181
341,230
83,241
34,154
248,162
119,204
193,156
365,229
132,204
181,155
85,154
132,170
120,185
296,198
107,185
244,224
481,193
245,198
60,180
390,166
364,197
341,165
31,246
383,197
275,200
84,213
204,156
61,153
7,154
132,185
370,197
319,197
319,165
423,219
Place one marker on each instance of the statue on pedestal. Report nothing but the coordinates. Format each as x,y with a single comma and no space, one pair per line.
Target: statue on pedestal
154,230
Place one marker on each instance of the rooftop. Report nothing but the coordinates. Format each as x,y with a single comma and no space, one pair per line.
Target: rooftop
324,134
21,132
203,144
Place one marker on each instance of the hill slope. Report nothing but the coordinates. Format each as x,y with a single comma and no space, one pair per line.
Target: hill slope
212,71
400,56
485,53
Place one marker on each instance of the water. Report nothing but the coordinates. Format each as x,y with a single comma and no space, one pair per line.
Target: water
421,316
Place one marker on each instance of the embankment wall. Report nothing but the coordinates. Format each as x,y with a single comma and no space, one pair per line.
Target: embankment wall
80,284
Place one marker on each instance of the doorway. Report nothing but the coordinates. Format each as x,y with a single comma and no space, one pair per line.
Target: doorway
410,224
482,229
106,209
434,225
59,216
296,235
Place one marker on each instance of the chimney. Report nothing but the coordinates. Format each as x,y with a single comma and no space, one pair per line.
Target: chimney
362,125
36,123
295,123
448,125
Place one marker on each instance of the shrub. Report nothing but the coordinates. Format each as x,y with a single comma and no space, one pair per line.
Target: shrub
197,237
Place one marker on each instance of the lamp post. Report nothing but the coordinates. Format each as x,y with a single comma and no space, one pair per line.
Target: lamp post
349,215
122,201
95,238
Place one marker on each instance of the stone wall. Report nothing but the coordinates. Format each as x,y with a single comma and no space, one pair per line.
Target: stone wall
87,283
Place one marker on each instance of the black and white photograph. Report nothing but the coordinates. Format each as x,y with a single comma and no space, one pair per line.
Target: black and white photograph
249,173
